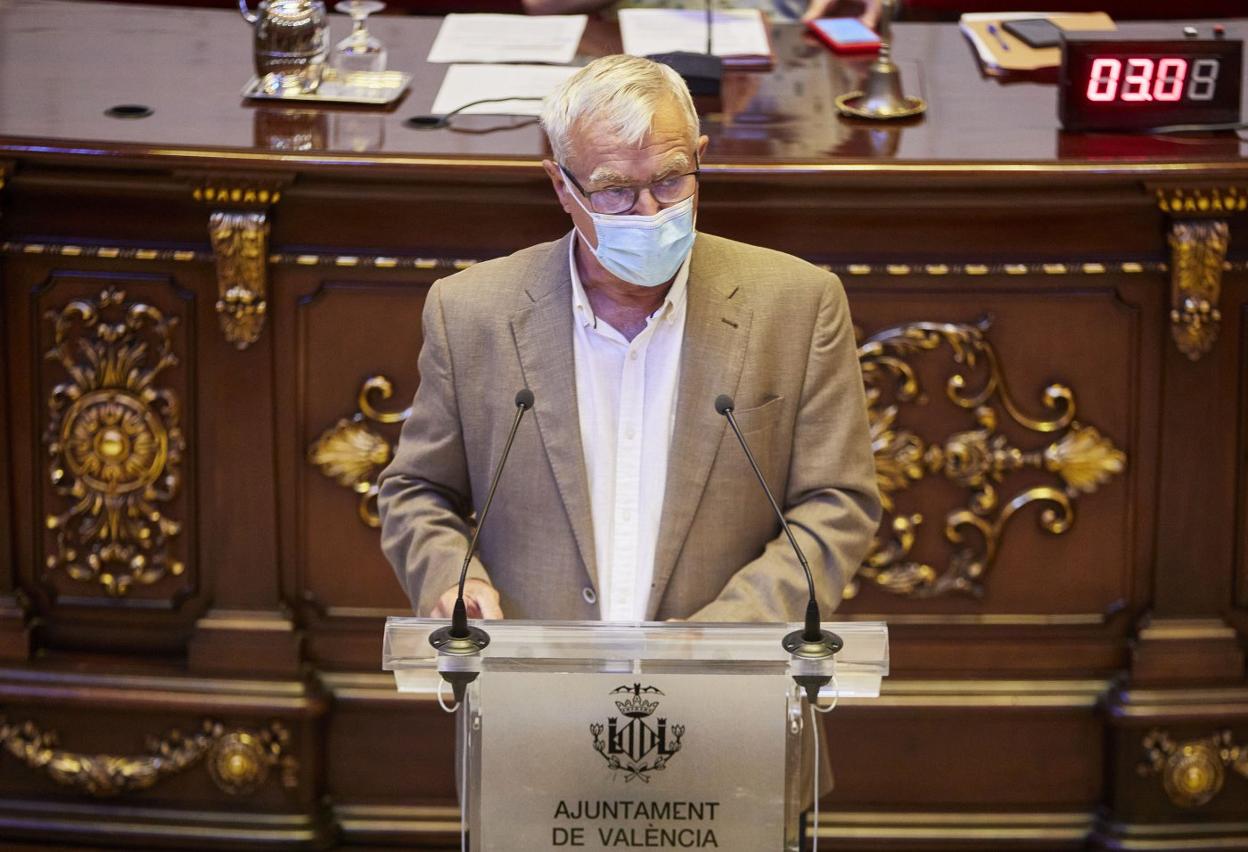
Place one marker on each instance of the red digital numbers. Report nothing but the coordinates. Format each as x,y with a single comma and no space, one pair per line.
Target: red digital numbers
1137,79
1171,75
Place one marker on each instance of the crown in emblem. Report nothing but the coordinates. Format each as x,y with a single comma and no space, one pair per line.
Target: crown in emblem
637,707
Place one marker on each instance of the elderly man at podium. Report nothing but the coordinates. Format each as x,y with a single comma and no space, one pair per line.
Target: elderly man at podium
625,497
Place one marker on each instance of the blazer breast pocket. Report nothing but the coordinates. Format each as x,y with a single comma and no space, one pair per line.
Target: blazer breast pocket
760,418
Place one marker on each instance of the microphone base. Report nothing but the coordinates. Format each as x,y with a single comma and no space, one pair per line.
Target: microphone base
797,645
461,646
703,72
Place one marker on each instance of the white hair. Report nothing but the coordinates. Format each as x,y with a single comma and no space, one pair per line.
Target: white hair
620,92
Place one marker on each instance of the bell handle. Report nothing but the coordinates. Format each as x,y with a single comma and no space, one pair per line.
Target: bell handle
248,15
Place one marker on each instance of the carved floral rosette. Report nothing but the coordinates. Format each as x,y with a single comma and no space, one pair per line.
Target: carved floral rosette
979,459
1192,772
114,442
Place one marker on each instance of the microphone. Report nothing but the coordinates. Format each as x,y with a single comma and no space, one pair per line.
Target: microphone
703,72
459,639
813,642
710,21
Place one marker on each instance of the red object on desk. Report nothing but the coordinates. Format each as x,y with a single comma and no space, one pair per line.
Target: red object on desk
845,35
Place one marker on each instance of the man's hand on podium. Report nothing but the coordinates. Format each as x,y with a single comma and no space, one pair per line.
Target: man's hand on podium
480,598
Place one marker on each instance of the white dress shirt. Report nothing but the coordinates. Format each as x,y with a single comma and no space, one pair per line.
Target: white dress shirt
626,401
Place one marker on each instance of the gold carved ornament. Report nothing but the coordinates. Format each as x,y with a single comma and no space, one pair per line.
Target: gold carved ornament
1197,255
240,243
980,459
1079,457
238,760
1192,772
353,453
1198,239
115,443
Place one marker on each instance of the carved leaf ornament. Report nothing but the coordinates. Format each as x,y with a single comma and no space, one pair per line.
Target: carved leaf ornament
352,452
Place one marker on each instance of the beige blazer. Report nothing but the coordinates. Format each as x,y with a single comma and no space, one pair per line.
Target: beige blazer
770,330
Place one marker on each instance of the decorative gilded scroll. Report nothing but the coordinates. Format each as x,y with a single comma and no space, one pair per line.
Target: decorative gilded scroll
980,459
115,443
1192,772
238,760
353,453
240,243
1197,256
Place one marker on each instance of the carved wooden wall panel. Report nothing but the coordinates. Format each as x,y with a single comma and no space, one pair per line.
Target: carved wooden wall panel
349,333
357,785
223,750
108,358
336,331
956,755
1091,559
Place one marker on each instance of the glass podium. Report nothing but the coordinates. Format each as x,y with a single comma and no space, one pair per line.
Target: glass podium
607,735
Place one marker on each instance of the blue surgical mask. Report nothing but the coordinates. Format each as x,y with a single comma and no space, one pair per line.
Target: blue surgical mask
643,250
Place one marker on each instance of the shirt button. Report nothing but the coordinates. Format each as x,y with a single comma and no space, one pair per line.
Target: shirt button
626,516
629,433
632,356
590,596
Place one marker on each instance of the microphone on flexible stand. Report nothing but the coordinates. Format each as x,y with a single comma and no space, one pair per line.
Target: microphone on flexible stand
812,642
703,72
459,639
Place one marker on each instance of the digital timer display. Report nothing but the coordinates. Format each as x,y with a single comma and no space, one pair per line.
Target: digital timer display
1136,79
1115,84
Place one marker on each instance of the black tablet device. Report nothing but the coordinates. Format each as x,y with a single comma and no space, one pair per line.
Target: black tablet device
1034,32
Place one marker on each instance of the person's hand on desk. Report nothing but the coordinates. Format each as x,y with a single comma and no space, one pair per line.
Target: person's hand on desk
480,598
827,8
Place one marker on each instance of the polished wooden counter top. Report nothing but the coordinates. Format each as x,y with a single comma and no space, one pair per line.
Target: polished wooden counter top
62,64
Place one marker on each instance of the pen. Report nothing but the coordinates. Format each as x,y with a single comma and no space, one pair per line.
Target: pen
996,33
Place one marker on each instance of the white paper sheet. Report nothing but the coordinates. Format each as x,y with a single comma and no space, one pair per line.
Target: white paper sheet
466,83
734,32
508,38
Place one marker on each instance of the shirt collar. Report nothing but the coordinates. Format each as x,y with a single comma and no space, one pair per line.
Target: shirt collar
584,313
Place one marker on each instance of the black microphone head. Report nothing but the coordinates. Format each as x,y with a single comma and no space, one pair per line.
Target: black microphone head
524,398
724,403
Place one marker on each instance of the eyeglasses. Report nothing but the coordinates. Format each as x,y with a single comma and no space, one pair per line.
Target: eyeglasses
620,199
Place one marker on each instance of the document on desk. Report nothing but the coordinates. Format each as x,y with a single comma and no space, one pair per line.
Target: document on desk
508,38
737,35
1000,52
524,87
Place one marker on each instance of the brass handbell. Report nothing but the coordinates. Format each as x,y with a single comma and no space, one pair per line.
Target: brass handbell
883,98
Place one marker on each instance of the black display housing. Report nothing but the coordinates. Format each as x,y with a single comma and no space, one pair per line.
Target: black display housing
1081,49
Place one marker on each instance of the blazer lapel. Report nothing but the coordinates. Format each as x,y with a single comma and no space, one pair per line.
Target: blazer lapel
543,334
717,328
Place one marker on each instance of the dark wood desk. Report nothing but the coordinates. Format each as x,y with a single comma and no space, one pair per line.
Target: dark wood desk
1058,426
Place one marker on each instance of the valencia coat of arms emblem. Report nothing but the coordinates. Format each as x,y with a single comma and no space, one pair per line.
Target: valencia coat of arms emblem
637,742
